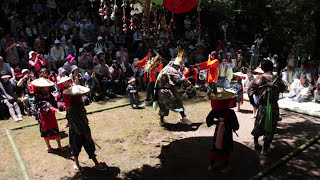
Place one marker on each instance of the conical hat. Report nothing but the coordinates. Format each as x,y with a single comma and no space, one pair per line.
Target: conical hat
223,95
63,79
76,90
42,82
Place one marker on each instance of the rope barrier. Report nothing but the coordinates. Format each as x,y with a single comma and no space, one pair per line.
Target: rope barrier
287,158
18,157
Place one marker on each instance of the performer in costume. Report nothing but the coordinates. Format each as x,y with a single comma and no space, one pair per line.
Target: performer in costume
45,112
79,131
166,91
152,66
212,67
267,87
226,122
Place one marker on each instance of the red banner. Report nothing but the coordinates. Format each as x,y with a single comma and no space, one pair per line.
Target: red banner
179,6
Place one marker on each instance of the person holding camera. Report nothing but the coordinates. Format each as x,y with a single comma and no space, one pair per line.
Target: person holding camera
36,61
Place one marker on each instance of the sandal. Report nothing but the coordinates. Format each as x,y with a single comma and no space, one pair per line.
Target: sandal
51,150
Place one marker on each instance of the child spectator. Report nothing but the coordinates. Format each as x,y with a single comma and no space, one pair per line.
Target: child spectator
237,87
132,91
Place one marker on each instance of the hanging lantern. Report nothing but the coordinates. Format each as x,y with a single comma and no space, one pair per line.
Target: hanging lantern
113,16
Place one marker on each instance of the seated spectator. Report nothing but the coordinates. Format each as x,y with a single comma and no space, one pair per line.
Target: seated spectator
121,54
70,49
56,56
225,75
70,62
116,73
316,91
44,73
8,93
300,89
75,76
303,70
289,76
61,73
110,56
24,82
5,68
100,45
91,81
83,61
97,58
36,62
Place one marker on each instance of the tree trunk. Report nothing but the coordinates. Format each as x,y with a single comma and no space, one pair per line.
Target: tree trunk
316,48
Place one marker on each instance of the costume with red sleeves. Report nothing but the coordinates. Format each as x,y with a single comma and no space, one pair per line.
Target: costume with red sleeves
186,74
45,114
213,69
152,73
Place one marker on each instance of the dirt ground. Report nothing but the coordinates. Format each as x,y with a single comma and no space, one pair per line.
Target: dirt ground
135,147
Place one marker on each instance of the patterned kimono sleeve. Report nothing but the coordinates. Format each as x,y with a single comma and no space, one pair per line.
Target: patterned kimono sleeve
210,118
76,120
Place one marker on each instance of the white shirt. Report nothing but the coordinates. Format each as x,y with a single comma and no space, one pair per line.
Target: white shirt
57,54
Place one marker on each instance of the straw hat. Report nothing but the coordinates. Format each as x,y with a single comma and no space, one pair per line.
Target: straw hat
258,70
5,76
42,82
63,79
238,74
223,100
76,90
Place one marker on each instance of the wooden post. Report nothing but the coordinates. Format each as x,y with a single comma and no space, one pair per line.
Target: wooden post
146,14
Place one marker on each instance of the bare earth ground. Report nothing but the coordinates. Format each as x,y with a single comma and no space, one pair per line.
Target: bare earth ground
135,147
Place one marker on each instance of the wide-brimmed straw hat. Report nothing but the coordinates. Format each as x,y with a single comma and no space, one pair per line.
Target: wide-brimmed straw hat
42,82
223,100
5,76
258,70
76,90
64,79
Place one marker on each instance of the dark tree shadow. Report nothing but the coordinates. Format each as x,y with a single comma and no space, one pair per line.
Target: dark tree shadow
89,173
245,111
179,127
188,159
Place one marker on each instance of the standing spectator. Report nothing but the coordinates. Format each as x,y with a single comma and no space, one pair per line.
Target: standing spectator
56,56
10,97
24,82
36,62
225,75
224,26
230,50
254,56
133,93
6,69
12,55
292,59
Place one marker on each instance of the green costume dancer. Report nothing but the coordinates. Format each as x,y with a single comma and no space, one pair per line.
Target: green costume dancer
168,81
267,87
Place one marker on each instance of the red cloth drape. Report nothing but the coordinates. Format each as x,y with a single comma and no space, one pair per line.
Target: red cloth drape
179,6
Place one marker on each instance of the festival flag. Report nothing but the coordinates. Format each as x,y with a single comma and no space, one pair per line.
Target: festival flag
179,6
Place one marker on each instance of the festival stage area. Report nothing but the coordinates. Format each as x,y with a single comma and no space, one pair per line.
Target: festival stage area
134,146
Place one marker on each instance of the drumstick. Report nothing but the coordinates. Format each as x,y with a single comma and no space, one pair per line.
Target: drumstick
236,133
96,144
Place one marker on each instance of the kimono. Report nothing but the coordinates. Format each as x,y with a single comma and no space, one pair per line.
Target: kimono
226,123
267,88
166,93
45,114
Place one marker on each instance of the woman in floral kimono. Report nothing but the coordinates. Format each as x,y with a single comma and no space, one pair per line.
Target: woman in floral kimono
45,112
